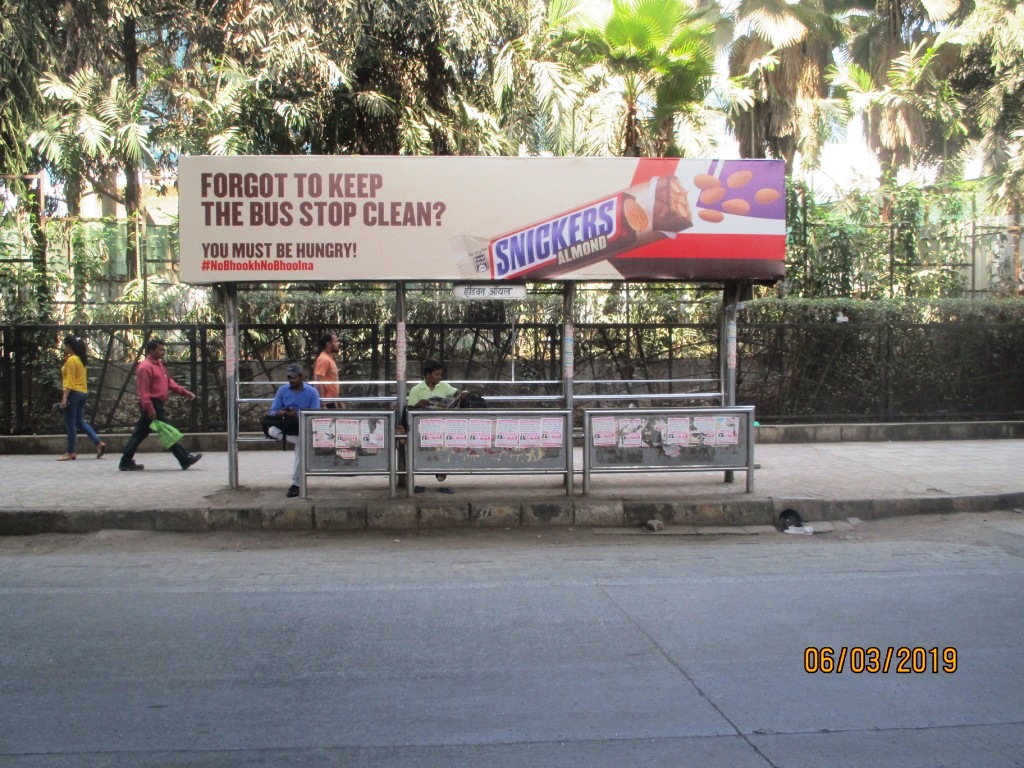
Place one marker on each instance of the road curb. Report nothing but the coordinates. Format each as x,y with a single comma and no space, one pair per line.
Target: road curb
399,515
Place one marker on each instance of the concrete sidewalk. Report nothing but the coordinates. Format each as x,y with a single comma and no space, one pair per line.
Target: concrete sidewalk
821,481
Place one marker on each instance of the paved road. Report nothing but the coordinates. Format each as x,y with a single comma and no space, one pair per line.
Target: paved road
555,647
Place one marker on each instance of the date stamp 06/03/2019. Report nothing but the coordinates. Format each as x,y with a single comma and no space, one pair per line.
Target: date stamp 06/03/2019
902,660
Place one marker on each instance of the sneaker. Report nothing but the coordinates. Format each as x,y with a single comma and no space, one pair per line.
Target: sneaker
293,491
191,459
101,448
133,467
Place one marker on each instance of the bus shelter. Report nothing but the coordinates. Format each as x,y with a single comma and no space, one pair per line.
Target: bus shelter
489,225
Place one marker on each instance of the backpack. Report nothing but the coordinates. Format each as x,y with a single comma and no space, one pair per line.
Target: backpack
473,400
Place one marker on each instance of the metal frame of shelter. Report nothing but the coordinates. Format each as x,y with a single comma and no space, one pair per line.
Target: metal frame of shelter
727,357
404,220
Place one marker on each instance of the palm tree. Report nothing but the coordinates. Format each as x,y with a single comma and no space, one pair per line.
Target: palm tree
95,80
264,85
656,58
907,57
27,47
992,80
418,80
93,130
912,99
534,80
783,55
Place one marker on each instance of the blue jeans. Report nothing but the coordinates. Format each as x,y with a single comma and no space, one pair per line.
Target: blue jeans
74,420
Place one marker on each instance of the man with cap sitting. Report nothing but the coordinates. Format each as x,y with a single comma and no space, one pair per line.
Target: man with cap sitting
291,398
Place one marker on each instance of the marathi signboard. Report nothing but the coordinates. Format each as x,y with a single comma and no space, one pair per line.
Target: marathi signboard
488,219
491,292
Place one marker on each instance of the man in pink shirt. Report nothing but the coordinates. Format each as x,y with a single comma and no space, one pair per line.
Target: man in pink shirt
153,386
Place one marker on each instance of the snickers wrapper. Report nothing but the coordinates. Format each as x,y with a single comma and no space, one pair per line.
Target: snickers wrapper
580,237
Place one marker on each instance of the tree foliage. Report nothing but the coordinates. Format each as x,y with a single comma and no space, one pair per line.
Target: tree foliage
504,76
650,60
104,95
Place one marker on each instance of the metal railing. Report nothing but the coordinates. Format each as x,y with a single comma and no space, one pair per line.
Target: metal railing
792,372
669,440
264,402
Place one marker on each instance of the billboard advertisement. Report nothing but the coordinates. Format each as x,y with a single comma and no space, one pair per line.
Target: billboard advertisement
489,219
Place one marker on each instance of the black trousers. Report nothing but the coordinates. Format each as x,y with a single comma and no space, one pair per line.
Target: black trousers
142,431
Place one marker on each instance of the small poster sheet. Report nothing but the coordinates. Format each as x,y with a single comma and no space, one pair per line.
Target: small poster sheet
456,433
481,433
372,433
323,432
678,431
551,433
506,435
603,430
654,432
529,433
728,432
631,433
346,433
431,433
705,429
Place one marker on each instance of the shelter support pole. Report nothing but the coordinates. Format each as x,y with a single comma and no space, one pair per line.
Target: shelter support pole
727,349
229,291
400,348
568,372
401,447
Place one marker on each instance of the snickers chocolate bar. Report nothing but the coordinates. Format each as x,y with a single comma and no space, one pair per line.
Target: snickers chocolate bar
576,238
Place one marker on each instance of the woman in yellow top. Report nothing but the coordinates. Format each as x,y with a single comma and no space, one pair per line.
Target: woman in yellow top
73,401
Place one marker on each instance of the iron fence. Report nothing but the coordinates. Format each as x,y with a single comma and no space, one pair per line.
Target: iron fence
850,372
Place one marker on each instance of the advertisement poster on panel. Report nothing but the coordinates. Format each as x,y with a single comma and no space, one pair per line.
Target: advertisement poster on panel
486,219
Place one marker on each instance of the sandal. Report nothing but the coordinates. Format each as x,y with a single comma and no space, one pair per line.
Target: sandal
67,457
101,448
